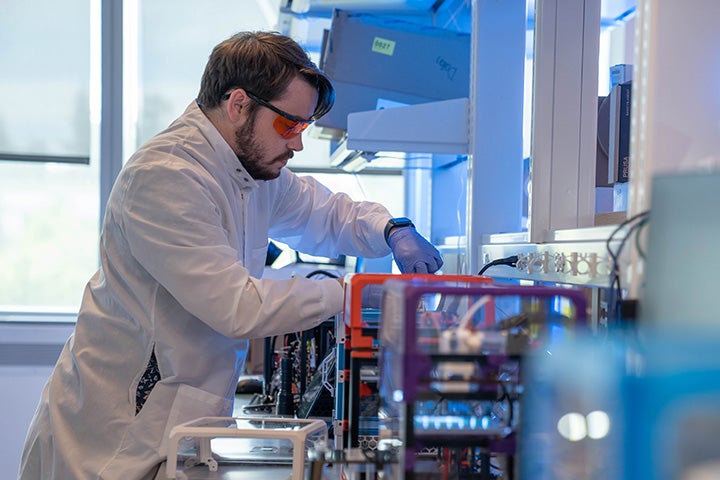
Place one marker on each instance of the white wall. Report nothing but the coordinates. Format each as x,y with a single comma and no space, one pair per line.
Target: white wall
27,356
21,386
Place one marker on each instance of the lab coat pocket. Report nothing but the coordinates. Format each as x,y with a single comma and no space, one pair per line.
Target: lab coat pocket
144,443
191,403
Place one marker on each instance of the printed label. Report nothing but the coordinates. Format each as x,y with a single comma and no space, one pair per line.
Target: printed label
383,45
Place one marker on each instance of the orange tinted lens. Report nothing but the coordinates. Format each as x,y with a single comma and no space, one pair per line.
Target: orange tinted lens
287,128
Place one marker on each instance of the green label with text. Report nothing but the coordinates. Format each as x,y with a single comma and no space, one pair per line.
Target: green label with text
383,45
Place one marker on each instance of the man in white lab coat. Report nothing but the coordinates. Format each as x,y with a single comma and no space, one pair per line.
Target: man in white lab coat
162,331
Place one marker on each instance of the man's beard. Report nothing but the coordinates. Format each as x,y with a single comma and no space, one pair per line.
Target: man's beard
251,154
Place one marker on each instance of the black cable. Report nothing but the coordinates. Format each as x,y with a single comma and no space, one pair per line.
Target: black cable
615,255
615,283
322,272
616,267
638,247
510,261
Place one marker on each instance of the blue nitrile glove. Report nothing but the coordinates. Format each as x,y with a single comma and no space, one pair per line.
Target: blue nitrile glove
412,253
371,295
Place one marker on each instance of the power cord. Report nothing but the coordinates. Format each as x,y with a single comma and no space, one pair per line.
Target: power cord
322,272
510,261
636,223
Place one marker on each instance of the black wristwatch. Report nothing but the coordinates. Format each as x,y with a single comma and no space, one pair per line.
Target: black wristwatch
397,222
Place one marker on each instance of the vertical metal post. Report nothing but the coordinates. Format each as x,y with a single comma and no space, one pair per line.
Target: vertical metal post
111,151
494,199
564,131
418,191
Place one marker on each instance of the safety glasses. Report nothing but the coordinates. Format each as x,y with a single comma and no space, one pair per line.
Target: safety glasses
286,125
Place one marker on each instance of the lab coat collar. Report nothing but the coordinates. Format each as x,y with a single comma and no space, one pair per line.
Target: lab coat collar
225,154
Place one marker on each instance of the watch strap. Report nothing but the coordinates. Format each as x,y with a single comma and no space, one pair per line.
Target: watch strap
397,222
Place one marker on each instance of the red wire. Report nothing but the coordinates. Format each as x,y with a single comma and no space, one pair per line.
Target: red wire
446,467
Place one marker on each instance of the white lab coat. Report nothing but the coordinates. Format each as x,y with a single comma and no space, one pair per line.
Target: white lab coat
182,251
